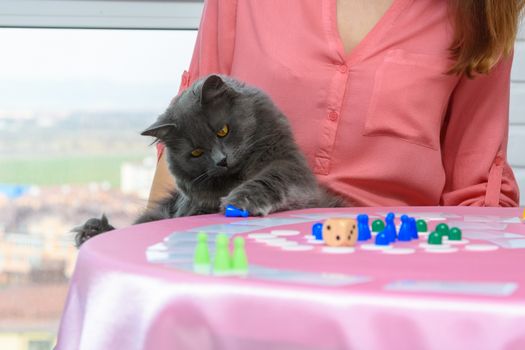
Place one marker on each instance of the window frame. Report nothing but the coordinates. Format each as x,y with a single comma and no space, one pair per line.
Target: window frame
101,14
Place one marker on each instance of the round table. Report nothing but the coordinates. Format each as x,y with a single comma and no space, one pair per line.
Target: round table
122,298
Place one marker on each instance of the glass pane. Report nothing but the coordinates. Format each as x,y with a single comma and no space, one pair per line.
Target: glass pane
72,105
39,345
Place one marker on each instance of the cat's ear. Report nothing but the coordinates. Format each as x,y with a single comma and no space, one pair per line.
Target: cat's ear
104,220
159,129
212,89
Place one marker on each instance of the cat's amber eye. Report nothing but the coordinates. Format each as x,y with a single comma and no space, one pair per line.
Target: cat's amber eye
224,131
196,152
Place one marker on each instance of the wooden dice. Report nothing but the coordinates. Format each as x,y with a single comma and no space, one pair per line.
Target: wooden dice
340,232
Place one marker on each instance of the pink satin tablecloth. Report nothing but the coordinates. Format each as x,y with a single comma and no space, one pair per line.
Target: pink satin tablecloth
462,300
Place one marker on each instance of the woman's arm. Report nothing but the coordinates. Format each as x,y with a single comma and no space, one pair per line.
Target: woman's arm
474,142
163,182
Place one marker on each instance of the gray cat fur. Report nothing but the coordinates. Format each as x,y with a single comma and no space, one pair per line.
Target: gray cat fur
257,166
266,171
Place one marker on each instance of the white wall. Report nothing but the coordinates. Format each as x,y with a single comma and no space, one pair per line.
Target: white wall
516,150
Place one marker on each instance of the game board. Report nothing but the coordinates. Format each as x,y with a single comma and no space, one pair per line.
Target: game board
282,249
298,294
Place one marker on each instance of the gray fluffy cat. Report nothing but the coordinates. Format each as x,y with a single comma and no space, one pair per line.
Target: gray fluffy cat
227,143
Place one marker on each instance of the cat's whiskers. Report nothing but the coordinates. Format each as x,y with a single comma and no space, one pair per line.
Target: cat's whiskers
200,178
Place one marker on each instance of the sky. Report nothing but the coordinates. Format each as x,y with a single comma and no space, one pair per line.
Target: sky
47,71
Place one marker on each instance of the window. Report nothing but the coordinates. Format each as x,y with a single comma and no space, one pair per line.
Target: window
72,105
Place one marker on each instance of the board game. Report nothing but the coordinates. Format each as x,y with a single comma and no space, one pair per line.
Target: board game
216,282
282,249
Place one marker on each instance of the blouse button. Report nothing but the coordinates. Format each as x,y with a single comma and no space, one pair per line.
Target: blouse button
343,68
333,116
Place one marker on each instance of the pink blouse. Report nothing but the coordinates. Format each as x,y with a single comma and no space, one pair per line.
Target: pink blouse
383,125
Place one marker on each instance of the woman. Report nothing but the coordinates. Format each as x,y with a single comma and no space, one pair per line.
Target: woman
393,102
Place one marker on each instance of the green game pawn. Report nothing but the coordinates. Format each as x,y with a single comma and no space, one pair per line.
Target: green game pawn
202,254
421,226
222,263
442,229
240,261
435,238
455,234
378,225
201,259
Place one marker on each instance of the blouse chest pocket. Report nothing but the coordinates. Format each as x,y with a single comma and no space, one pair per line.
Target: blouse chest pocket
410,97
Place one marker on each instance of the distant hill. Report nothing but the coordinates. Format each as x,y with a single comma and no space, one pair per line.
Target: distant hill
79,133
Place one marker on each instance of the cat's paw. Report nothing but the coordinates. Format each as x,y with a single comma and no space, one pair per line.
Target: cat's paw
255,204
91,228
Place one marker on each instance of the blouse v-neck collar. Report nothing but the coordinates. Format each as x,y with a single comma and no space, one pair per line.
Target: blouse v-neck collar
329,13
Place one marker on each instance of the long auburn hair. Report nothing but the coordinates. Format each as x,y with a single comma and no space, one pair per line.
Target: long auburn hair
485,31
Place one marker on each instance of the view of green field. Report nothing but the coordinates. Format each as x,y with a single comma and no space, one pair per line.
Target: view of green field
83,169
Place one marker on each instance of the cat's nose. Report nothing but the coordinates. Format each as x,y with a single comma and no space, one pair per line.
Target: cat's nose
222,162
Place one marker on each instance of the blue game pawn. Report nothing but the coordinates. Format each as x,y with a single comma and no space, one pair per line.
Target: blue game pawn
234,212
391,233
363,229
317,231
390,228
382,238
404,231
413,228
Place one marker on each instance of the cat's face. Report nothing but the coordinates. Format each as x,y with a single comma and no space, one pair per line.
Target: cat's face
207,130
